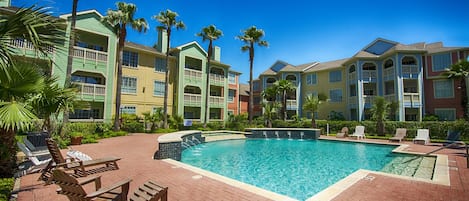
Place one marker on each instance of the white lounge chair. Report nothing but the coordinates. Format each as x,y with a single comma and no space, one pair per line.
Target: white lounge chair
359,132
35,157
400,135
423,136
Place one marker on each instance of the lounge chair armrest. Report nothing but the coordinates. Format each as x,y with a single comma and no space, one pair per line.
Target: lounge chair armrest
96,179
80,163
124,184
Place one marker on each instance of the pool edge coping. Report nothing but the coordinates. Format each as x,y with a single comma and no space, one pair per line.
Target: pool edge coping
232,182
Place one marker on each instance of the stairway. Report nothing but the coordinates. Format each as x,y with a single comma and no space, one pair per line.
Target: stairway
415,166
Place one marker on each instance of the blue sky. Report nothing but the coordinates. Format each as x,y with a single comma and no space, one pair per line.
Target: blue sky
298,31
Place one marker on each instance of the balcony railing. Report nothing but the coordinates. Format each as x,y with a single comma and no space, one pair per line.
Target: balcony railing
27,45
411,70
352,76
192,74
369,75
412,98
368,99
216,100
390,97
193,99
389,74
89,54
216,78
292,104
91,89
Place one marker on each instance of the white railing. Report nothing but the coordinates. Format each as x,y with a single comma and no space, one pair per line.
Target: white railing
91,89
292,104
89,54
389,74
27,45
352,76
411,97
217,78
410,69
369,75
192,74
216,100
192,98
390,97
368,99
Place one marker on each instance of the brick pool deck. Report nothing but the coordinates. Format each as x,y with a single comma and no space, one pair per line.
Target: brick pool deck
137,163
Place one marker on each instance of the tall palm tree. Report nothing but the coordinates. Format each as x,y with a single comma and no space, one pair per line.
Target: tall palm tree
460,71
71,43
18,83
311,104
380,111
209,33
284,87
120,19
252,36
168,20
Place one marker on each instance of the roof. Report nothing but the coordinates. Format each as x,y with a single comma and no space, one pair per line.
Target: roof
142,47
192,43
93,11
445,49
244,89
290,68
328,65
269,72
235,72
307,66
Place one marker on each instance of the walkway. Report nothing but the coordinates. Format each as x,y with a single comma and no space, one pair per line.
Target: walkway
137,163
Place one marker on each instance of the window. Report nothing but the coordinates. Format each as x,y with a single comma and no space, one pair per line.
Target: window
443,88
85,114
257,100
158,88
128,110
353,90
351,69
85,79
160,65
130,59
335,76
369,89
311,79
441,61
129,85
231,95
388,63
230,112
408,60
335,95
369,66
388,88
231,78
446,114
255,85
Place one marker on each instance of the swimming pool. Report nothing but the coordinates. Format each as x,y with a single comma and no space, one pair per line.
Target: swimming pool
295,168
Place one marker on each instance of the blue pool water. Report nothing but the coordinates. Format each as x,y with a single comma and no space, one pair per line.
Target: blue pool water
295,168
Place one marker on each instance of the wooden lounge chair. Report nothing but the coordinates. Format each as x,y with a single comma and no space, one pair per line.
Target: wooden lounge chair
359,132
73,189
400,135
80,168
343,133
423,136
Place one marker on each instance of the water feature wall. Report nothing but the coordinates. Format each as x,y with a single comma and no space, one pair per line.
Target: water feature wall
171,145
287,133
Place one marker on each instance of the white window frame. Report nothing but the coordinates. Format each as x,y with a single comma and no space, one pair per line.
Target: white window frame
234,95
154,88
230,77
131,64
433,62
136,85
333,72
309,79
446,110
156,64
445,88
341,95
128,107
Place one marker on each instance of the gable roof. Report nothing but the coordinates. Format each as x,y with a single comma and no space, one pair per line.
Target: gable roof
142,47
93,11
244,89
192,43
328,65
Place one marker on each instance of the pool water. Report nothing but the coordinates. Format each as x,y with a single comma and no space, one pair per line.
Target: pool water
295,168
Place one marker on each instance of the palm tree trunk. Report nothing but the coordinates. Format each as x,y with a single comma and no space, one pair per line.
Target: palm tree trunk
166,82
122,36
251,88
207,86
7,153
284,107
464,97
313,120
68,78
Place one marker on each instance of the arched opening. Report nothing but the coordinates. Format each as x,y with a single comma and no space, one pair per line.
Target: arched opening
270,81
369,72
408,60
291,78
388,63
352,69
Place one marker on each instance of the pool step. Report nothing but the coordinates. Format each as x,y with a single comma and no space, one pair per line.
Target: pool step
419,167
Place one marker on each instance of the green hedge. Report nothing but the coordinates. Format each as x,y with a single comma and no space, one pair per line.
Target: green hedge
6,186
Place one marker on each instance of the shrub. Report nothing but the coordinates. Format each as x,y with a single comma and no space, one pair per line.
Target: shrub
6,186
168,130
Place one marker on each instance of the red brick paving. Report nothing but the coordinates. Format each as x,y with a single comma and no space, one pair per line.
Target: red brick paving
138,164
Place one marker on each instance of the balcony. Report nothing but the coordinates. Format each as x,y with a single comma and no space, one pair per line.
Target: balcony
193,76
192,100
389,74
26,48
292,104
410,71
352,102
352,77
368,100
412,100
217,101
390,97
89,54
91,92
369,75
217,79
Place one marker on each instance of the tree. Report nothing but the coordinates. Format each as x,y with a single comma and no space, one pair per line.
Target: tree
269,93
168,20
120,19
270,112
209,33
460,71
71,43
250,37
284,87
380,111
19,82
312,105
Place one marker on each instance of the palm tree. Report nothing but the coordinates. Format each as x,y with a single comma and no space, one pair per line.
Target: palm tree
380,111
209,33
269,93
19,82
270,112
460,71
119,19
71,43
252,36
167,19
284,87
312,105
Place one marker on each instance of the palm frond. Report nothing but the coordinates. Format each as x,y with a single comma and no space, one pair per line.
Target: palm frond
15,115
